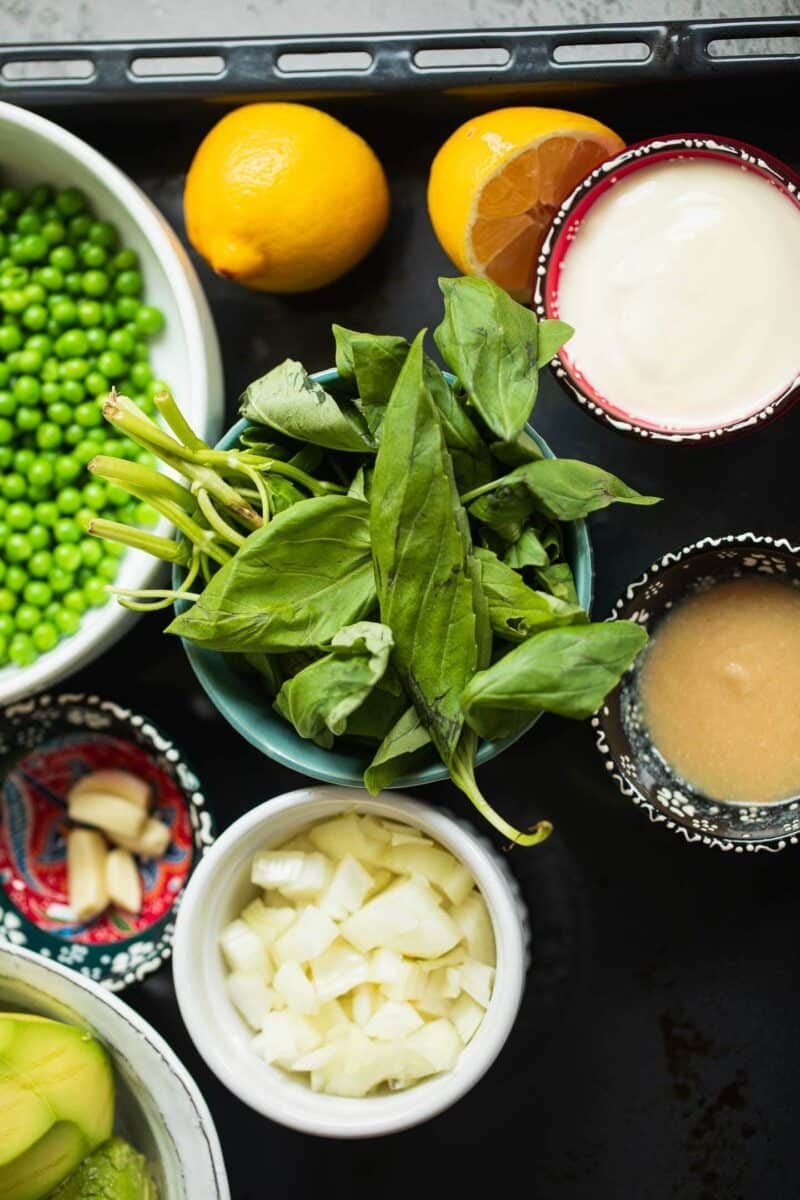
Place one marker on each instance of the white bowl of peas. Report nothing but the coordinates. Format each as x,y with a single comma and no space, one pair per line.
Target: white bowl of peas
96,292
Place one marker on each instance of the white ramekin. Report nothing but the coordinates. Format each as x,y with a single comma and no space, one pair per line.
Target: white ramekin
186,355
219,889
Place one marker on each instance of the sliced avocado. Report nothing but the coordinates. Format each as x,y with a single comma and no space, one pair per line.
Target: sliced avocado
114,1172
42,1167
50,1074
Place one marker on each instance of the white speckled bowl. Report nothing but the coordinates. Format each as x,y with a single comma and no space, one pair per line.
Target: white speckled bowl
159,1107
219,889
186,355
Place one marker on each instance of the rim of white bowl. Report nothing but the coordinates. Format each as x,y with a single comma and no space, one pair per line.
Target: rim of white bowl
24,962
199,973
102,627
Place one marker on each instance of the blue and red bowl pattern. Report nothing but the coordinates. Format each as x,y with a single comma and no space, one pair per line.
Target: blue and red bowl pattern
34,826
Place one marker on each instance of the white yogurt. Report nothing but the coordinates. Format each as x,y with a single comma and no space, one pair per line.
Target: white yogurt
683,286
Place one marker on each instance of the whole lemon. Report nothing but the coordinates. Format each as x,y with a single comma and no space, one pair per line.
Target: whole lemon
284,198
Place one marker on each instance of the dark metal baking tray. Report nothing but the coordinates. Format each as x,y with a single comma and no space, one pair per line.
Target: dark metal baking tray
657,1053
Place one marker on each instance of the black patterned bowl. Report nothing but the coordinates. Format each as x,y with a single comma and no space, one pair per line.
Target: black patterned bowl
622,738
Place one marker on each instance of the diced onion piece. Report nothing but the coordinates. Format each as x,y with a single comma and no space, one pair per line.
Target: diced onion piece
113,782
363,1004
297,875
378,922
268,923
338,970
451,987
285,1036
393,1020
374,827
472,918
466,1015
301,842
476,980
381,878
250,995
308,938
347,890
435,932
454,958
291,982
330,1016
405,835
458,885
346,835
438,1043
315,1060
432,999
243,950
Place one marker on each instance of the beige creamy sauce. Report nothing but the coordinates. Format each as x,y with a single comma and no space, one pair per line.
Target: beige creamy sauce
682,285
720,689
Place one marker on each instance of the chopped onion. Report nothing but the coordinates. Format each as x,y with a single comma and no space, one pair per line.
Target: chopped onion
368,961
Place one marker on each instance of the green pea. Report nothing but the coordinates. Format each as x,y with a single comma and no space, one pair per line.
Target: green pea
60,581
73,343
111,364
67,530
28,419
27,617
8,601
35,317
53,232
44,636
6,430
39,536
18,548
97,339
94,495
84,449
13,300
49,436
21,650
96,383
68,557
89,414
74,368
91,552
108,568
127,308
117,496
125,260
19,515
63,257
38,593
73,283
73,391
66,470
16,577
23,458
7,624
68,501
47,512
59,413
40,472
90,313
95,283
140,375
93,256
145,515
10,338
67,622
50,370
27,389
70,201
94,589
13,486
128,283
75,600
30,361
149,320
32,248
64,312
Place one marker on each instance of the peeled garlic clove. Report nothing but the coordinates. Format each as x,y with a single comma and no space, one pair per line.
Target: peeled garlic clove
122,784
152,842
123,882
109,813
86,873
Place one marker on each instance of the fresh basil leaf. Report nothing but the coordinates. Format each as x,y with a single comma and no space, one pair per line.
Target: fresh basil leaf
266,665
559,580
522,449
421,551
517,611
373,361
319,700
289,400
527,551
566,671
567,489
551,535
506,510
374,719
282,493
399,752
552,336
292,584
307,458
257,437
359,484
491,344
472,462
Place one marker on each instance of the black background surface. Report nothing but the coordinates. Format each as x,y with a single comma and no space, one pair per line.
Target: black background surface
656,1054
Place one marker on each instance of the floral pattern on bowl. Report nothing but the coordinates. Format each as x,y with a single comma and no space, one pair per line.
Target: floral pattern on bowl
47,743
622,737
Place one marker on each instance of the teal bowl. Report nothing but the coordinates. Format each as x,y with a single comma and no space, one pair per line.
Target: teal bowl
245,705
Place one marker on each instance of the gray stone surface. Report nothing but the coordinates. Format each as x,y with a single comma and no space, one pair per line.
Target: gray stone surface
76,20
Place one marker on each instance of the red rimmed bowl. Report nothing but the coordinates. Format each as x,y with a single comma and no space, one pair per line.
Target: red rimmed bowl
565,230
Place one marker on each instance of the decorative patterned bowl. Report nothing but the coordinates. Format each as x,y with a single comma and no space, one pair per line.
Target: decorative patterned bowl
45,745
242,700
159,1107
562,232
634,764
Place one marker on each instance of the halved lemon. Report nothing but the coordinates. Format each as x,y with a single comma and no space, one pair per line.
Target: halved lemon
498,180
